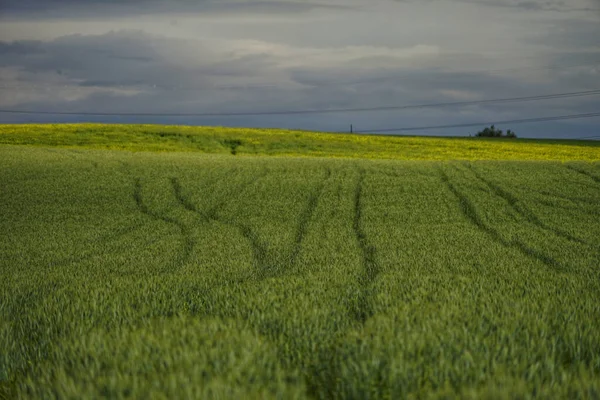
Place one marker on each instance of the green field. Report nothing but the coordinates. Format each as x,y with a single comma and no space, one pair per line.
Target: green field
195,273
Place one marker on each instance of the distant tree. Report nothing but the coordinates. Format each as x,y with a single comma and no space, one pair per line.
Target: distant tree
233,144
493,132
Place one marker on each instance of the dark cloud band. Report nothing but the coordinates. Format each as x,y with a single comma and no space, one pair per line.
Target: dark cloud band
113,8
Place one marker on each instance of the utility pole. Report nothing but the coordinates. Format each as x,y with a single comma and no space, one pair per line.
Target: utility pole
351,130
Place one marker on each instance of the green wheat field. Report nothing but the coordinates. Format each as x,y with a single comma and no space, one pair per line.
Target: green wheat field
174,262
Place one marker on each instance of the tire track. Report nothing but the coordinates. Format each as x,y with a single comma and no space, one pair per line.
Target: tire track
470,213
363,310
305,218
258,249
188,241
548,203
184,201
522,210
576,200
584,172
264,266
549,199
211,213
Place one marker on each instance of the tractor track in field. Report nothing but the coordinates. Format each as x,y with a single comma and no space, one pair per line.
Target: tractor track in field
584,173
546,197
306,216
188,241
470,213
576,200
362,311
549,203
264,266
259,251
522,210
184,201
211,213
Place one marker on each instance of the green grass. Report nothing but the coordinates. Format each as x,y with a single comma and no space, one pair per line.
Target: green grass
293,143
191,275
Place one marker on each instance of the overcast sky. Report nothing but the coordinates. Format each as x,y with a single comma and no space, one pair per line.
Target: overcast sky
220,56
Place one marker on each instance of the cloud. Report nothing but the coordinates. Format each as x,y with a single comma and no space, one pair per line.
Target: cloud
534,5
232,74
393,53
112,8
541,5
127,58
569,34
134,58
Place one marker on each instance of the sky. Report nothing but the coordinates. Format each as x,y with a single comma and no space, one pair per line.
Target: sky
251,56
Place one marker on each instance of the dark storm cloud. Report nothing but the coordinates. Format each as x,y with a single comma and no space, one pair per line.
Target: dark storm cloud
233,68
116,8
125,58
19,49
535,5
530,5
120,60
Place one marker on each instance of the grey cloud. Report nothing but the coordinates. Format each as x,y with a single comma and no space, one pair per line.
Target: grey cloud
21,48
126,59
430,78
115,8
569,34
81,57
134,59
411,86
217,81
532,5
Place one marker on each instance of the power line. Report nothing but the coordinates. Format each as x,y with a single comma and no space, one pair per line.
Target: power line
472,124
302,112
